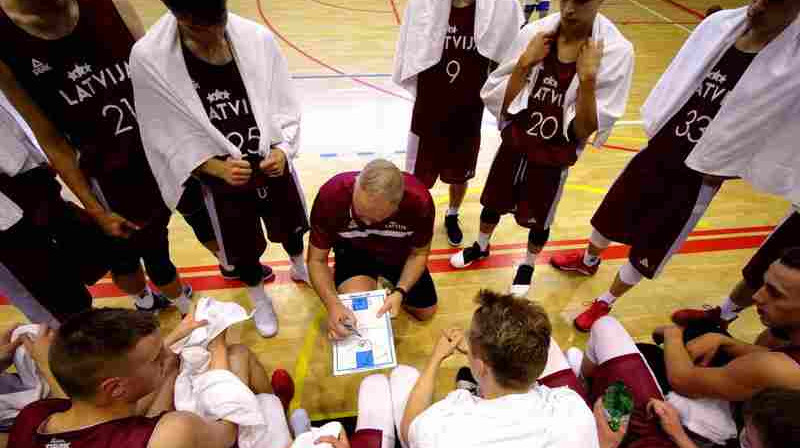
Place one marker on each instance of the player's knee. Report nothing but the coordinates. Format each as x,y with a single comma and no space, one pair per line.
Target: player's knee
629,274
489,216
423,314
538,237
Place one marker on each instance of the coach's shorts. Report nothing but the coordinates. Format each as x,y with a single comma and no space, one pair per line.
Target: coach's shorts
352,262
452,159
653,209
532,192
784,236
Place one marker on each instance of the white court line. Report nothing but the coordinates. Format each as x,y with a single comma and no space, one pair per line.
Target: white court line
657,14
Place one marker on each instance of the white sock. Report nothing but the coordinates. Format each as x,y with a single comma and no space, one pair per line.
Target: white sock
589,259
300,422
608,298
530,259
729,309
226,266
145,298
258,294
298,262
483,240
183,303
451,211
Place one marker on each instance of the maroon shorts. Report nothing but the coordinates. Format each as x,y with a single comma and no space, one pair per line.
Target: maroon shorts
55,248
451,158
233,217
565,378
653,208
632,370
785,235
532,192
366,438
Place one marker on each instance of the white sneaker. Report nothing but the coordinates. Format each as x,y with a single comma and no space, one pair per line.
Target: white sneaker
299,276
266,320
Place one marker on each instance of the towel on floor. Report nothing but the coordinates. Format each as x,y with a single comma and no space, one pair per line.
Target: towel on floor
35,387
705,417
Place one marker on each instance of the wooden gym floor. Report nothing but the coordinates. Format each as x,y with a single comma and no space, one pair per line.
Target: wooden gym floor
340,53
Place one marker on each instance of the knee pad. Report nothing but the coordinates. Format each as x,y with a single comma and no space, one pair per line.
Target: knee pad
294,245
490,216
538,237
629,275
161,271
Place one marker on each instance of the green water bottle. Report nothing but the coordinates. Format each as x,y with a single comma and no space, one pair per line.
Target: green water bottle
617,405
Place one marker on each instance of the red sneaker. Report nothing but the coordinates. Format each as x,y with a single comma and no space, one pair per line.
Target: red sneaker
572,261
283,387
711,316
586,319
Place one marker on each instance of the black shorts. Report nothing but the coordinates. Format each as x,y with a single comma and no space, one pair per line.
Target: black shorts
785,235
351,263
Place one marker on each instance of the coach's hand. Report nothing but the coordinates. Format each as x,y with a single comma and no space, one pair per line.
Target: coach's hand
337,316
538,49
341,442
450,341
275,164
39,348
8,348
589,56
391,304
608,438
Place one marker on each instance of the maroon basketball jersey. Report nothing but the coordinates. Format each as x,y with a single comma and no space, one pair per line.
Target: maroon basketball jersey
390,241
227,105
82,83
677,138
448,94
539,129
131,432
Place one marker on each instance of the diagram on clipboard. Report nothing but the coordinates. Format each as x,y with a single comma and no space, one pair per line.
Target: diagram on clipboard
374,348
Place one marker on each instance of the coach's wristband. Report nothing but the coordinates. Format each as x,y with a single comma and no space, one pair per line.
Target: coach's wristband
400,290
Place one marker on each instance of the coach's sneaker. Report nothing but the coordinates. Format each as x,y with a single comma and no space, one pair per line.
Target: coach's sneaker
465,381
233,274
572,261
710,316
283,387
586,319
265,319
468,256
454,235
522,281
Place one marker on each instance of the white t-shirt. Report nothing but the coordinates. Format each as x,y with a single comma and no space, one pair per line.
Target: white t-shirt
541,418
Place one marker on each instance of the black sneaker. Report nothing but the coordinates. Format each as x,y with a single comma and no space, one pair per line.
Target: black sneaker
465,381
522,280
160,302
468,256
233,274
454,234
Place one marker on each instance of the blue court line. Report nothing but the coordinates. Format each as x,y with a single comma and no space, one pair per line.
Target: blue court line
343,75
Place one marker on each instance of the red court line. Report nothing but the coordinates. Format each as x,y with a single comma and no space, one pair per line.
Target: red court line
621,148
683,7
319,61
498,261
347,8
394,10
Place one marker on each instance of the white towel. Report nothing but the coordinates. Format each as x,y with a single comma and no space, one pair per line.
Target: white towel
219,394
421,39
613,79
754,136
37,387
306,439
705,417
176,132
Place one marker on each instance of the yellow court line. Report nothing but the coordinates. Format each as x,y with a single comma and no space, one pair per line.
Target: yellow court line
304,357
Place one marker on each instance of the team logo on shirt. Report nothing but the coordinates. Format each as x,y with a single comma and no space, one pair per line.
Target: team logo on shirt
392,225
195,85
717,77
218,95
452,29
645,263
79,72
712,86
551,81
40,67
57,443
